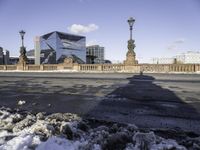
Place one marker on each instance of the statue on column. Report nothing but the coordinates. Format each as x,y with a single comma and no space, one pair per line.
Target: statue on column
22,58
130,55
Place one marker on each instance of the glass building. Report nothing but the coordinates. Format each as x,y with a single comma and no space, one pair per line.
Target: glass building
54,47
95,54
4,57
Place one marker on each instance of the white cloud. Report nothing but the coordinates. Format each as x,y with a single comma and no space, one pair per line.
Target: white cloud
176,43
78,28
179,41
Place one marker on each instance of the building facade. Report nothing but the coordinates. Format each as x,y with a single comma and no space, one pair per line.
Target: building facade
184,58
95,54
162,60
189,58
4,56
1,56
54,47
37,50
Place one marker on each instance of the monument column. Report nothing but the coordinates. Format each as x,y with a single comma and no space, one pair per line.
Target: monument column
22,58
130,55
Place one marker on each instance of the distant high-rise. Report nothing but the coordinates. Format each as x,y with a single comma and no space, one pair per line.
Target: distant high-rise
54,47
1,56
37,50
95,54
4,56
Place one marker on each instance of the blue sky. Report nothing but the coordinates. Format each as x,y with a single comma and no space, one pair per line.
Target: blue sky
163,28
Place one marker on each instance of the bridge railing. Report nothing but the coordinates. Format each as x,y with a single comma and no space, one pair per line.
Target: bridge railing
101,67
50,67
89,67
33,67
148,68
112,67
8,67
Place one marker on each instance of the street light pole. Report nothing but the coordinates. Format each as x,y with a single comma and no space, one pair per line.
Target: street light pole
130,22
22,58
130,55
22,33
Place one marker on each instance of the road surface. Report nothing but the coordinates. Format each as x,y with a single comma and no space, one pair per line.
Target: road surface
148,100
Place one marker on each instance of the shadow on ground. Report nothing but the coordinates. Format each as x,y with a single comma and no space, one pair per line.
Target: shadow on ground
147,105
139,101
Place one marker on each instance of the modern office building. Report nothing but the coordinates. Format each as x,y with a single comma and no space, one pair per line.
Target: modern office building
1,56
14,60
95,54
30,53
54,47
37,50
4,56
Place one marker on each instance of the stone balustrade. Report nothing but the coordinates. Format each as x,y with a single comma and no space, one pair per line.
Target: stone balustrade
33,67
146,68
50,67
89,67
113,67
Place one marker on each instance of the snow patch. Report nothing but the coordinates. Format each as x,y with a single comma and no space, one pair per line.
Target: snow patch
21,102
61,131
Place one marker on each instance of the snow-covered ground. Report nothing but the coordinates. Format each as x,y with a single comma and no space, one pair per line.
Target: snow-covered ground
20,130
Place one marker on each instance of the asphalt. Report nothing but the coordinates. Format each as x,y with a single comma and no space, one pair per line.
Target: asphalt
167,101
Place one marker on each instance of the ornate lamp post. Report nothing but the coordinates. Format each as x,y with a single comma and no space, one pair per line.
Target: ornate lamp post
22,33
130,55
131,22
22,58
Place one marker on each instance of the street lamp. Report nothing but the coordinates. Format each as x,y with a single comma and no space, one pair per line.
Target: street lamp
130,22
22,33
130,55
22,58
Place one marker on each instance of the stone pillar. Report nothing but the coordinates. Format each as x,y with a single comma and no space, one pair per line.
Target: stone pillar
130,55
4,67
76,67
68,63
22,59
41,67
100,66
20,66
